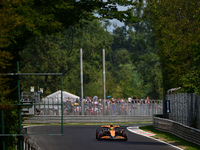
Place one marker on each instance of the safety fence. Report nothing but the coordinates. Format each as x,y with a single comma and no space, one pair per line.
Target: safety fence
73,107
185,109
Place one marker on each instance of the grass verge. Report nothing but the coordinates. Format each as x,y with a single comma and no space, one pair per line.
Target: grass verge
170,138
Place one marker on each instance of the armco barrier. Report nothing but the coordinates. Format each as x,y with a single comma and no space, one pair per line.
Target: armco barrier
86,119
29,144
178,129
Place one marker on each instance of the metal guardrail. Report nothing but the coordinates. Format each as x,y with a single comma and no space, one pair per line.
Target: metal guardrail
178,129
85,119
30,144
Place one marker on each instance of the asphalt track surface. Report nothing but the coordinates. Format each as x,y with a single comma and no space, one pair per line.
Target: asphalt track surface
83,138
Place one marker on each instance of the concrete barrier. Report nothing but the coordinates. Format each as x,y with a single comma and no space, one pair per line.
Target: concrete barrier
86,119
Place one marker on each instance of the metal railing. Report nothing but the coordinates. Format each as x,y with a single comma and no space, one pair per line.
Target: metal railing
73,107
29,144
178,129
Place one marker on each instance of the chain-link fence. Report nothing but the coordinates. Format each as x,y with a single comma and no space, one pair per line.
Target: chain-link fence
73,107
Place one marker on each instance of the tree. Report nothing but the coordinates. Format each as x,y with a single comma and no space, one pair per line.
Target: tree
137,41
24,20
92,38
61,54
27,19
9,111
176,26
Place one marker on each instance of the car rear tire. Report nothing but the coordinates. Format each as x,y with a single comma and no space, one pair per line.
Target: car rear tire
97,132
125,135
100,134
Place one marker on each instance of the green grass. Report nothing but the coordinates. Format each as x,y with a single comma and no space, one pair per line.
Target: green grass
170,138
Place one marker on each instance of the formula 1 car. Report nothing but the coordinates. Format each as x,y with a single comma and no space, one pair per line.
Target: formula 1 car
111,132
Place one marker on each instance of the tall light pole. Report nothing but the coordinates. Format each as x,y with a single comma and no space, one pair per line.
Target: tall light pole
81,66
104,84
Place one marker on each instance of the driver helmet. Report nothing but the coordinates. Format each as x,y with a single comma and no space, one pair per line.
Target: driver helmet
111,126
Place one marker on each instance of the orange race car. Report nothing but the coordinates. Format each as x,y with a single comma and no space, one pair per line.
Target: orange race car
111,132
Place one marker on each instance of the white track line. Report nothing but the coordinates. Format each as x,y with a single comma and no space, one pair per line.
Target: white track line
137,128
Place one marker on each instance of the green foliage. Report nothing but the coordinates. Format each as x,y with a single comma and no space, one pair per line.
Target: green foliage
124,76
35,22
11,124
28,19
177,36
61,54
192,77
92,39
134,46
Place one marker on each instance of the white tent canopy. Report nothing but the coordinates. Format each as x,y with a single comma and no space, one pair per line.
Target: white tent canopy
56,97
